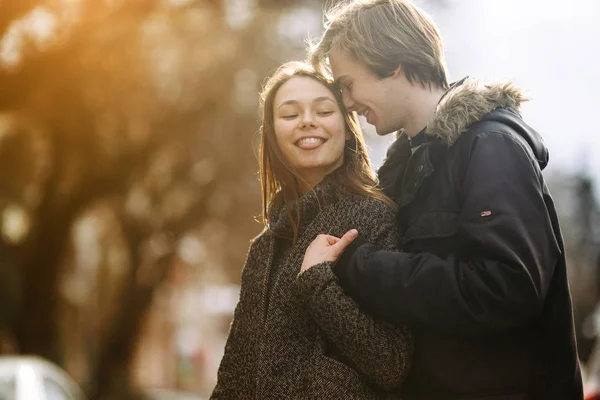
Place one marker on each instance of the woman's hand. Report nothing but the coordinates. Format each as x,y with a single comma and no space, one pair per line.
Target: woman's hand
326,248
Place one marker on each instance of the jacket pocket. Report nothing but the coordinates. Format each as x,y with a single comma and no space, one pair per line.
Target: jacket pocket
431,225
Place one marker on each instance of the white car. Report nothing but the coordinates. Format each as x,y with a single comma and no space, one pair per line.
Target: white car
33,378
166,394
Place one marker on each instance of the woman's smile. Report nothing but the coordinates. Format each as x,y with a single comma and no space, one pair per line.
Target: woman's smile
310,142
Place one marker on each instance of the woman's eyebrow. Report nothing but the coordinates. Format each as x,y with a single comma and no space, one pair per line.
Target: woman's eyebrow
323,98
316,100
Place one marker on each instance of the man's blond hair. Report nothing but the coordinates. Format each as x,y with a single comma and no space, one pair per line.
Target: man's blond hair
384,35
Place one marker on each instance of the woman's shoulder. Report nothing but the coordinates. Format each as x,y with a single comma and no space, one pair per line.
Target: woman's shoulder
362,211
259,241
258,248
263,236
372,217
362,203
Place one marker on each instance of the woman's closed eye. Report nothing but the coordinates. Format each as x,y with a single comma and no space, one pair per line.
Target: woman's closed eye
324,113
289,116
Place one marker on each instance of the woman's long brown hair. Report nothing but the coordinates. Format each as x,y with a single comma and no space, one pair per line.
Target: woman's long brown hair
281,184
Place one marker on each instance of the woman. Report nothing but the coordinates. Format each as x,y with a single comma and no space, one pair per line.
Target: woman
298,335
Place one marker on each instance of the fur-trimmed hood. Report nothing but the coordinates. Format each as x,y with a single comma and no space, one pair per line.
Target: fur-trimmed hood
470,100
467,102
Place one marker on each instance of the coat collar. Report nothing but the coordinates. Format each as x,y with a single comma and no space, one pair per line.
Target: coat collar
310,204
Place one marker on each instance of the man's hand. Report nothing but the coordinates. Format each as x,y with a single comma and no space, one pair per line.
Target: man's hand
326,248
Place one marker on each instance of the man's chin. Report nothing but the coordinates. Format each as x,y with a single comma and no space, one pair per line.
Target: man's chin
383,131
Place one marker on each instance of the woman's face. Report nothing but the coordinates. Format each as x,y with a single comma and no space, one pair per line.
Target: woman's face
309,128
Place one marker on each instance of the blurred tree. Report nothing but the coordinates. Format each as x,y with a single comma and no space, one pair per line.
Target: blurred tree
142,114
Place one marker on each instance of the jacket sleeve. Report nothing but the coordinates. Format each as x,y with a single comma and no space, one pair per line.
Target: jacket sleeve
508,252
378,350
236,374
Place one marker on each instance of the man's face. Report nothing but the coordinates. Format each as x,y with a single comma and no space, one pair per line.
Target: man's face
378,100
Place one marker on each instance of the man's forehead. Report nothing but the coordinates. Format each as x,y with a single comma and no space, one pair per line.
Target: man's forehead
340,64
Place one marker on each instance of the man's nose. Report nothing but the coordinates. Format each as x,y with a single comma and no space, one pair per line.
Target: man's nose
348,102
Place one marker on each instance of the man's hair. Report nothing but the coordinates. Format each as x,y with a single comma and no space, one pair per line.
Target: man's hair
384,35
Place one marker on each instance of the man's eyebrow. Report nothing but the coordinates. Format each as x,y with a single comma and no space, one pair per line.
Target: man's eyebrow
338,81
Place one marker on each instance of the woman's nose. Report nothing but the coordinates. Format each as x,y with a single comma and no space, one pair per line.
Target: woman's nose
307,120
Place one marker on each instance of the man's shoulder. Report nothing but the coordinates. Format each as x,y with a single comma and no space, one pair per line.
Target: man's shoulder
501,126
501,120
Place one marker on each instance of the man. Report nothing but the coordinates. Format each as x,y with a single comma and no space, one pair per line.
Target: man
482,277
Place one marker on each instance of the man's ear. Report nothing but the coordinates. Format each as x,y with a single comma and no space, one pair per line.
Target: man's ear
396,72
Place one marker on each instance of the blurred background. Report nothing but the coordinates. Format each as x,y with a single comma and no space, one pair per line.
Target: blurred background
128,175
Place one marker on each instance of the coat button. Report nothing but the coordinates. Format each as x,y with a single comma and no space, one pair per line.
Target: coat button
420,168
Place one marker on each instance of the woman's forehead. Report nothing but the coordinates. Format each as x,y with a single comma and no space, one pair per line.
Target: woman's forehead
302,89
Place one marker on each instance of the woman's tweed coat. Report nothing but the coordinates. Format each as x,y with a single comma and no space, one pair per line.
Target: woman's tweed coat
301,337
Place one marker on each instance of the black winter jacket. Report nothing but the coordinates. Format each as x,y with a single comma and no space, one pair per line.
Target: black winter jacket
482,276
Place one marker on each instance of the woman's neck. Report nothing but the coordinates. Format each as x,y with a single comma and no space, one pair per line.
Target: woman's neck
309,179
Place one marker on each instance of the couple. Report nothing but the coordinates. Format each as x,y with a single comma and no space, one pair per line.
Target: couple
449,282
